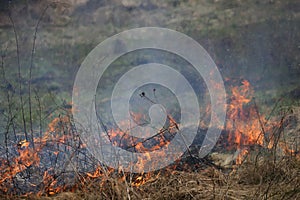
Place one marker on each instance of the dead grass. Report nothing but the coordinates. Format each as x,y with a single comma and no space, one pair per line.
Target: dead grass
263,180
264,174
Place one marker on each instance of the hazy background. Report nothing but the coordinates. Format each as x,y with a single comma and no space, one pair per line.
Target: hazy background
254,40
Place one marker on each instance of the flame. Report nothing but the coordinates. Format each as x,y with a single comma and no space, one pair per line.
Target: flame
28,156
246,126
99,172
243,124
142,179
123,139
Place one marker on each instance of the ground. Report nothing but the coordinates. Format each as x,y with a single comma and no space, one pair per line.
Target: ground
249,40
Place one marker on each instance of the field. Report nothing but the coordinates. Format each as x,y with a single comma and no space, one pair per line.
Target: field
44,153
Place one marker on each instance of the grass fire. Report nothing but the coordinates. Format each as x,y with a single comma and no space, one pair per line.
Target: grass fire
248,48
56,163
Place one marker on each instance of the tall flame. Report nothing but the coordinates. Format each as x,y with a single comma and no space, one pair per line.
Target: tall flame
244,125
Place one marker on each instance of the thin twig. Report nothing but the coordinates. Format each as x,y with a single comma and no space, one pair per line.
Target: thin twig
19,75
30,71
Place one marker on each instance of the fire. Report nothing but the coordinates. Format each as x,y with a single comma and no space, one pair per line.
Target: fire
243,124
245,127
99,172
28,156
160,139
144,178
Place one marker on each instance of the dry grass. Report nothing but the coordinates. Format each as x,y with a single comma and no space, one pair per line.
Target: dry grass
264,174
267,179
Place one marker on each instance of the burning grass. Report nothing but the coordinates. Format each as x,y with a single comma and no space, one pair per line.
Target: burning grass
265,165
264,180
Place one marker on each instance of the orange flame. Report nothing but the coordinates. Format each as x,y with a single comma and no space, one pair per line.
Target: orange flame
243,124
